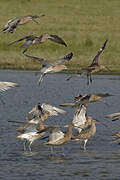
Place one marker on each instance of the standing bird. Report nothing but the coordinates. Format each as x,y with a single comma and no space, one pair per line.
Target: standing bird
57,137
42,112
13,23
94,67
29,134
87,132
4,86
51,67
33,39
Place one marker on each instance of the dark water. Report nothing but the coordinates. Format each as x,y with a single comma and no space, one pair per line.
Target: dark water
102,158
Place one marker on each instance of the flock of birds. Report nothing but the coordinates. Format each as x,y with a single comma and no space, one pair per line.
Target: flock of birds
82,126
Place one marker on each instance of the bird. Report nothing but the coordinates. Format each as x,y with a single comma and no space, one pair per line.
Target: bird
87,132
51,67
86,99
115,116
13,23
29,134
40,112
80,104
4,86
34,39
93,67
57,136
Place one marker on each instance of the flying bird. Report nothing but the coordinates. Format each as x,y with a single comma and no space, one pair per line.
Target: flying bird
13,23
43,111
51,67
94,66
33,39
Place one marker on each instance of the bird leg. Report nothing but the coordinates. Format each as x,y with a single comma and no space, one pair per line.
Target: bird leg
90,78
85,142
63,150
29,146
25,144
41,79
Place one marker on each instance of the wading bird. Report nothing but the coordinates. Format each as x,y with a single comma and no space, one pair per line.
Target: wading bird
57,137
80,118
29,134
94,67
88,132
33,39
13,23
51,67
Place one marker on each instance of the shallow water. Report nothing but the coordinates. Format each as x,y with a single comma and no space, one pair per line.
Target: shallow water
102,158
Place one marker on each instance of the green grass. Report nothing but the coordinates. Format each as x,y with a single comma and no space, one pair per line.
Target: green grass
83,24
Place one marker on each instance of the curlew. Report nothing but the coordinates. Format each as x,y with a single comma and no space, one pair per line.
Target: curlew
42,112
29,134
51,67
88,131
57,137
93,67
13,23
33,39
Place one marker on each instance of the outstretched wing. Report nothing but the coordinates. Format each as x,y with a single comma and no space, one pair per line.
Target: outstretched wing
54,111
57,39
4,86
95,60
65,58
41,60
21,39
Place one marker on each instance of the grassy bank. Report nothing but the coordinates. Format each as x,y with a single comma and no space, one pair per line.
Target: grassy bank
83,24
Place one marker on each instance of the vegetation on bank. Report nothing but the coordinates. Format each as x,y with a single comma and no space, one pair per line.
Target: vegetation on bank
83,24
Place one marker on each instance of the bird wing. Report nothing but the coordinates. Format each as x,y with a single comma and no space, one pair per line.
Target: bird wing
54,111
65,58
35,112
4,86
79,116
95,60
57,39
68,104
41,60
21,39
56,134
113,115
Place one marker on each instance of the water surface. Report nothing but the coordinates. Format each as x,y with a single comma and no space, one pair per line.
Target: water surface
102,158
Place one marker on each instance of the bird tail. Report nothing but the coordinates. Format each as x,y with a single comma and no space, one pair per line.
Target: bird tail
69,56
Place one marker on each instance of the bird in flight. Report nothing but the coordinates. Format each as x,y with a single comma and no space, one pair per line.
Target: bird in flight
93,67
51,67
33,39
13,23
